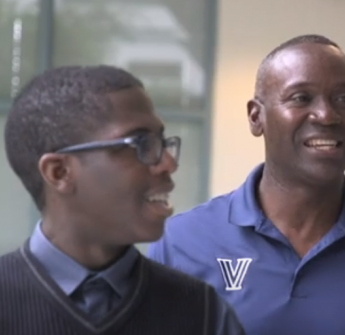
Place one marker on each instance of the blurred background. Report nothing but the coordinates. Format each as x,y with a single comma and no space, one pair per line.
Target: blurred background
197,58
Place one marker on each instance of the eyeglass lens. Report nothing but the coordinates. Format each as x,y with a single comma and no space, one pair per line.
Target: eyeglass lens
151,147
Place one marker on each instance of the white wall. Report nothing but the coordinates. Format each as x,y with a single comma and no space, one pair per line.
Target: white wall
247,31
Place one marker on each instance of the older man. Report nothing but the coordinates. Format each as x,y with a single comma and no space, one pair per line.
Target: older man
275,247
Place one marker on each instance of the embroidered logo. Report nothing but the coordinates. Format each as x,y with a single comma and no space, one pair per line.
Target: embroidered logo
233,276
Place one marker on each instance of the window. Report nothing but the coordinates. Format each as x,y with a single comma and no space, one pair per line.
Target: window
18,59
18,36
162,42
166,43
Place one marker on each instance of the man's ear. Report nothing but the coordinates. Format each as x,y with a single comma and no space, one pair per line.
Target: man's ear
255,116
57,172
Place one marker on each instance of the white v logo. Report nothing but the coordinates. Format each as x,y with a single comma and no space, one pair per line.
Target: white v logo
233,277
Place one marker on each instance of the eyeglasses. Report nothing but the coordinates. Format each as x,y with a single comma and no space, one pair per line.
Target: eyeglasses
149,147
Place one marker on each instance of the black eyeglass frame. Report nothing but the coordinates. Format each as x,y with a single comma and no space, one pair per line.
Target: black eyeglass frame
131,141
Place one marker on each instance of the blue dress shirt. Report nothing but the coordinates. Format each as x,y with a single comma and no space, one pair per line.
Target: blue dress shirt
86,288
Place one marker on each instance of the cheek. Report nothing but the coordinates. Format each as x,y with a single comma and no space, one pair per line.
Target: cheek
120,187
282,123
274,130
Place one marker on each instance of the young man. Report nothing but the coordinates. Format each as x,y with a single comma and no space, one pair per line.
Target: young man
89,148
275,247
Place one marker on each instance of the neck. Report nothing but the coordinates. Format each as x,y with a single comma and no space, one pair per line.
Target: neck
300,212
92,255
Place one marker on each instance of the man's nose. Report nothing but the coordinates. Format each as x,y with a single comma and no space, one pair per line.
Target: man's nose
166,164
326,114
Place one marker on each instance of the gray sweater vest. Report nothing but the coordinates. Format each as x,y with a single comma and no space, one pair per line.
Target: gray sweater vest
164,302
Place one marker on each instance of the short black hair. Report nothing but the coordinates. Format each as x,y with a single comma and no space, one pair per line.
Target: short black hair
62,107
311,38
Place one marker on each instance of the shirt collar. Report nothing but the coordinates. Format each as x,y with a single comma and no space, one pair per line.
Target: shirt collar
119,274
244,209
69,274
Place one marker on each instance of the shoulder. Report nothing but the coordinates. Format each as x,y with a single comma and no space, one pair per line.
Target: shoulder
11,267
201,227
171,276
191,239
176,282
204,216
10,259
192,299
189,234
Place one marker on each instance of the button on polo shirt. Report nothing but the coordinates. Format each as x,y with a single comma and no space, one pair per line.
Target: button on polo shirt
229,243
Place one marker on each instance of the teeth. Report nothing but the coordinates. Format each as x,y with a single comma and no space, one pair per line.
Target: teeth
163,197
322,143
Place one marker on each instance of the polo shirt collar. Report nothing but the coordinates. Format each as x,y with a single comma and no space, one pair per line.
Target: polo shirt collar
244,209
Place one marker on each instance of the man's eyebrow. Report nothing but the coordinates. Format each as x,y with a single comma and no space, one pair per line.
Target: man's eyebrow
142,131
340,85
298,84
305,84
137,131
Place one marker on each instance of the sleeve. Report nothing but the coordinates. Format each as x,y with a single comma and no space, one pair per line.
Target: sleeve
225,319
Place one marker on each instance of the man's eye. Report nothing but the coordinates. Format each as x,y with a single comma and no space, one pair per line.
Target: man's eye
341,98
304,98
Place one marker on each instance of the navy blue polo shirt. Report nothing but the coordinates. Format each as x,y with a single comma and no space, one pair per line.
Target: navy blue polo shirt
229,243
